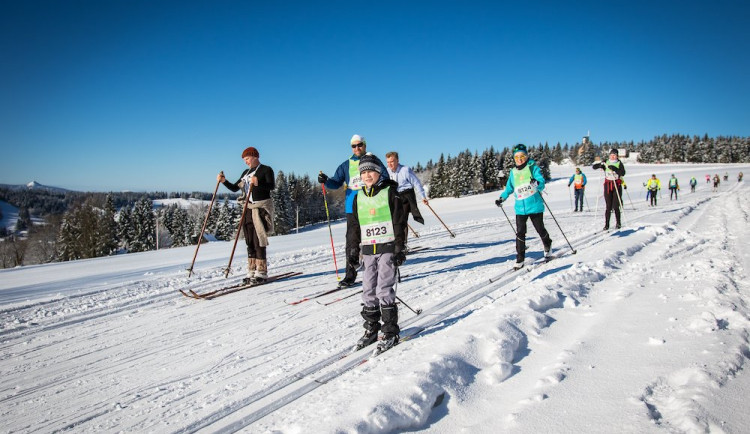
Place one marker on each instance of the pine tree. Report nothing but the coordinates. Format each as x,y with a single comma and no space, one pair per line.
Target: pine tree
438,179
78,237
24,220
144,226
282,204
107,229
224,226
125,232
557,154
588,156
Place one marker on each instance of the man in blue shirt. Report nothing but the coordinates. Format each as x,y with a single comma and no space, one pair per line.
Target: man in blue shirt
407,182
348,173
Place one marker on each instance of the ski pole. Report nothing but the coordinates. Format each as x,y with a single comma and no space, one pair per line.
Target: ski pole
328,217
508,218
398,274
570,195
511,224
619,199
441,221
631,200
416,235
239,228
586,198
558,224
205,222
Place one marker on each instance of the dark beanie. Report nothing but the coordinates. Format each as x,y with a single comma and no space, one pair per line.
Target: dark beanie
369,162
614,151
250,152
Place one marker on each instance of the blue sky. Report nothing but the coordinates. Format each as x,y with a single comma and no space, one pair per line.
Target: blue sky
160,95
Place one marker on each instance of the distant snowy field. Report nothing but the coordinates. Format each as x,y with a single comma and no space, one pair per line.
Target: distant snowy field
643,330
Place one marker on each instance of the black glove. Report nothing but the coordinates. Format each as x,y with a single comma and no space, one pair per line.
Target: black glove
534,182
499,202
399,258
322,178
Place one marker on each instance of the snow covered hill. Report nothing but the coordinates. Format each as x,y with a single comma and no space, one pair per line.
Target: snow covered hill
33,185
644,329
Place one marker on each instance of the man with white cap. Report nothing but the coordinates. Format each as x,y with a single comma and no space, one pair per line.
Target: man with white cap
348,173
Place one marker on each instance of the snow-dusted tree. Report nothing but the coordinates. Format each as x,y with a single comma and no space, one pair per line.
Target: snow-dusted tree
181,227
282,203
144,226
78,233
541,158
24,219
125,231
587,156
490,166
438,181
557,154
107,228
224,225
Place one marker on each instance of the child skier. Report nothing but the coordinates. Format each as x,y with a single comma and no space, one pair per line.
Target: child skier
379,226
693,183
526,184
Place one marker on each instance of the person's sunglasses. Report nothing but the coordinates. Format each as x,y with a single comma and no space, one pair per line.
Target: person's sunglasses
358,145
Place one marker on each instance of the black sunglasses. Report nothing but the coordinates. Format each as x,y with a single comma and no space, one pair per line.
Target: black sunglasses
358,145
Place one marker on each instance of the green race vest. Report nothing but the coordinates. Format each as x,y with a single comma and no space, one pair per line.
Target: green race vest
578,181
376,224
355,179
609,174
522,187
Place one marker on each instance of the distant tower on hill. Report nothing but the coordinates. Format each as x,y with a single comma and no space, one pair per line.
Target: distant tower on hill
585,143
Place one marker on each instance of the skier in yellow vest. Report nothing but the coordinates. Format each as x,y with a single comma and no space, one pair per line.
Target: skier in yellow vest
379,221
578,180
653,186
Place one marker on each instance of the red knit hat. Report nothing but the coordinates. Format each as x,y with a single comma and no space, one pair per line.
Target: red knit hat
250,152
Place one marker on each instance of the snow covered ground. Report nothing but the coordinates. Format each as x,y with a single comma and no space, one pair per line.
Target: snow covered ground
645,329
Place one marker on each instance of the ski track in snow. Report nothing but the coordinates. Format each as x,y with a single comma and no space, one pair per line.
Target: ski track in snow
158,361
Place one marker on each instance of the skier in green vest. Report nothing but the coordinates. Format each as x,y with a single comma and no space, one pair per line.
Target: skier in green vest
674,187
613,171
526,184
379,222
348,174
